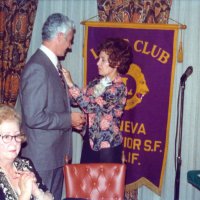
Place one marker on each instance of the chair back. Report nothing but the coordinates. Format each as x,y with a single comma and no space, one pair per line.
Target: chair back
95,181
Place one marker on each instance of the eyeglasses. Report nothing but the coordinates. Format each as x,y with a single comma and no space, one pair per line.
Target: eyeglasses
18,138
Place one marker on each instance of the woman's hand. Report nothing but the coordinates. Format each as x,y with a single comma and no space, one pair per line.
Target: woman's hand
67,77
26,181
78,120
28,186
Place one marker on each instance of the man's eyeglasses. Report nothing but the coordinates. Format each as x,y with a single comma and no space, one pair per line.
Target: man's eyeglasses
18,138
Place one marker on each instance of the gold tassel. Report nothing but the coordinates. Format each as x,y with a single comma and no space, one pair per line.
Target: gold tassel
180,51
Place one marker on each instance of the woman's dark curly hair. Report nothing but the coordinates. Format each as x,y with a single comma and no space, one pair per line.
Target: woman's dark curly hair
119,52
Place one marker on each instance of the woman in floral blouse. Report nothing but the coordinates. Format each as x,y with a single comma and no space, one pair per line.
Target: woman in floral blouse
103,102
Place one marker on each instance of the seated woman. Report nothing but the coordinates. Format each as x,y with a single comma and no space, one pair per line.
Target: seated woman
18,178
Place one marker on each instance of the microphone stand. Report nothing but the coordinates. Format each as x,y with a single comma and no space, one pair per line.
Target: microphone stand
179,135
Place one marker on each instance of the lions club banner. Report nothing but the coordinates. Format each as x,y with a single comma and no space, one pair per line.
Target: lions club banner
146,119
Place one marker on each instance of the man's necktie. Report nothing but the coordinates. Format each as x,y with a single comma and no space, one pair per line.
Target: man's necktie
59,66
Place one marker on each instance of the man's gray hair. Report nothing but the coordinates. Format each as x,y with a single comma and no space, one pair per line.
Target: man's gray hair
56,23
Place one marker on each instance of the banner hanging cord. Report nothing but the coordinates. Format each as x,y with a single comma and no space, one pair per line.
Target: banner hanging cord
181,26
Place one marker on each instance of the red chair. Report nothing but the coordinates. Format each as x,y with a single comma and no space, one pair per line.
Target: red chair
95,181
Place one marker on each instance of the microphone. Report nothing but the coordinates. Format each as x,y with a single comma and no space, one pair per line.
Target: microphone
186,74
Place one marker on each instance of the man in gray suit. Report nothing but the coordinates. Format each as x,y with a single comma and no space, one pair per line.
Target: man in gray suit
46,115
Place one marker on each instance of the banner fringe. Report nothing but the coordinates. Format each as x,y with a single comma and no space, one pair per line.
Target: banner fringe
142,182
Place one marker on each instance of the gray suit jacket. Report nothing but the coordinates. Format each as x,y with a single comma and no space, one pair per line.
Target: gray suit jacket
46,114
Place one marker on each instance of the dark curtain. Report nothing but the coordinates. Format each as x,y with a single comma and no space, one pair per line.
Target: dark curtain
135,11
16,25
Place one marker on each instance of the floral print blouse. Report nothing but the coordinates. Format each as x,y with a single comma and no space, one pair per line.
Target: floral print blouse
104,112
6,190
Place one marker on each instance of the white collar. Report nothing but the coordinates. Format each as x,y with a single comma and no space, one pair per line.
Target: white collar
50,54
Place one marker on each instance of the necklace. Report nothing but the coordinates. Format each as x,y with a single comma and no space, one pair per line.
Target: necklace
9,179
16,173
11,186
